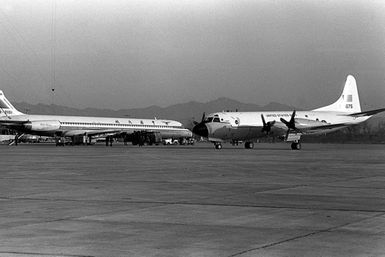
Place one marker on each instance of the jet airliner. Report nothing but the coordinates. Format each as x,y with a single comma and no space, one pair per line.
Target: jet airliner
88,127
222,127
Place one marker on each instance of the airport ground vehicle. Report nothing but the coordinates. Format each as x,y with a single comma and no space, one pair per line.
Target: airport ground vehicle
170,141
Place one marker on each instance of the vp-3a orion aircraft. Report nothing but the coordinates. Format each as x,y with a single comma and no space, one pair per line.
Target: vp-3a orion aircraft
249,126
135,130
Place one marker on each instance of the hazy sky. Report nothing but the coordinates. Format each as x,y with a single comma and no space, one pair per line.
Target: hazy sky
135,53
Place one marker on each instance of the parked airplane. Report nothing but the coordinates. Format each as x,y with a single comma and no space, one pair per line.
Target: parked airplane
248,126
74,127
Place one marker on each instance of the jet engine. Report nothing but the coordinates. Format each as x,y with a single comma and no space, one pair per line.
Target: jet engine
42,125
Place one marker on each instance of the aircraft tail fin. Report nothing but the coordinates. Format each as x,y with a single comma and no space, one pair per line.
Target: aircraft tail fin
6,108
349,100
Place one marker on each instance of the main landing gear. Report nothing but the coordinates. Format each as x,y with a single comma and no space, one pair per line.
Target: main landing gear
218,145
296,145
249,145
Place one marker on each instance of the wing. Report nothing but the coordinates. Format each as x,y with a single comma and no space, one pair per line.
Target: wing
308,127
367,113
93,133
277,128
322,128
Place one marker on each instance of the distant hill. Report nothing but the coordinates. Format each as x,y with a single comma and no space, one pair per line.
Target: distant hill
184,112
372,131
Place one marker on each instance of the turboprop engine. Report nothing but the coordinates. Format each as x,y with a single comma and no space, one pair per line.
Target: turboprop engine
42,125
300,122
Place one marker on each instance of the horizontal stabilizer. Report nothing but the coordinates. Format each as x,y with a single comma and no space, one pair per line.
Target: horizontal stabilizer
17,122
12,123
367,113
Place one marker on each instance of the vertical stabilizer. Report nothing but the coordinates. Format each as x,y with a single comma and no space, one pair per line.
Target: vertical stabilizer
6,108
348,101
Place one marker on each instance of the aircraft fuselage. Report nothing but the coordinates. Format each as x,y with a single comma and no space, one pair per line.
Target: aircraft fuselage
243,126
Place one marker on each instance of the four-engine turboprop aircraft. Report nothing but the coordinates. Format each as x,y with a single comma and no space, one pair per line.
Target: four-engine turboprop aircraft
77,126
249,126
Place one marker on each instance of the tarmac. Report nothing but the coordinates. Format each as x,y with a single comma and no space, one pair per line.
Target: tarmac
325,200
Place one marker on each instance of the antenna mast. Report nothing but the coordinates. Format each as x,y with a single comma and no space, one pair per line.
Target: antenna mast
53,51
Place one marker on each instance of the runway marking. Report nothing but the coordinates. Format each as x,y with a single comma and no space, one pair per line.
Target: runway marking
304,236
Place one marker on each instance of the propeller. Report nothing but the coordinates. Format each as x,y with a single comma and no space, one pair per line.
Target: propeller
266,125
290,124
202,120
200,127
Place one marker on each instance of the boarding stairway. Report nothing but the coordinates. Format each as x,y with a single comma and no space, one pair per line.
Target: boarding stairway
12,142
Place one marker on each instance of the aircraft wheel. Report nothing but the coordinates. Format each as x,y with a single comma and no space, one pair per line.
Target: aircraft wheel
249,145
218,146
296,146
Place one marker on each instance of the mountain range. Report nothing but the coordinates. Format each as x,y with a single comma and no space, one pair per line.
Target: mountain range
184,112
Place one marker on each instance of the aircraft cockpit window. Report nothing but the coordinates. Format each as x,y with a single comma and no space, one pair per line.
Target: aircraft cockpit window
216,119
209,119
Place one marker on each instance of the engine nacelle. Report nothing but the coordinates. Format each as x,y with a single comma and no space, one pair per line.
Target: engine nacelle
308,122
43,125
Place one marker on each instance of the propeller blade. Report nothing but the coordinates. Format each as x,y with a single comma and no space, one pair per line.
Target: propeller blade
263,120
290,124
292,121
287,134
266,125
284,121
203,117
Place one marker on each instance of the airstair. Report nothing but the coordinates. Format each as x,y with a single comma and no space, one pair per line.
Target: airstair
18,138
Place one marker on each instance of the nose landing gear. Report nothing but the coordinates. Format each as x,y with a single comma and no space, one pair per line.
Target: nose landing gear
296,145
218,145
249,145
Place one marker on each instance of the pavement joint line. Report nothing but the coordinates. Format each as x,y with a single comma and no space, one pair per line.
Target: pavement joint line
145,181
79,218
305,235
148,181
195,203
203,183
353,187
45,254
356,178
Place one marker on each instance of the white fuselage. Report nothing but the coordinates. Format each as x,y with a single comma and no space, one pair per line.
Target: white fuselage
237,126
74,125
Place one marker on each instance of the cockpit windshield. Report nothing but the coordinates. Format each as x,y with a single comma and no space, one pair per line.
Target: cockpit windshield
212,119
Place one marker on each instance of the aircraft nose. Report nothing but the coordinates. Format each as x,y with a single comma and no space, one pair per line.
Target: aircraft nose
201,130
